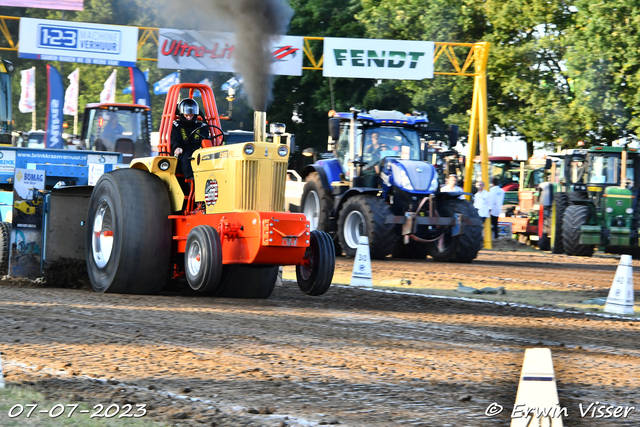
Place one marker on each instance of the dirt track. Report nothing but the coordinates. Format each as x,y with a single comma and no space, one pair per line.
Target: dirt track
354,357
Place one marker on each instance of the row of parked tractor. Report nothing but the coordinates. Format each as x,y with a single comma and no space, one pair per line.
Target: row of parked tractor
588,202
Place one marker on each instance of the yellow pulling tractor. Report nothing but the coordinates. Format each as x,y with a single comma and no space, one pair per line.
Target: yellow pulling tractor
225,231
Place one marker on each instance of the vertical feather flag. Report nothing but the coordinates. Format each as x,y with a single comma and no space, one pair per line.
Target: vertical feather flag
139,87
27,102
109,92
55,102
71,94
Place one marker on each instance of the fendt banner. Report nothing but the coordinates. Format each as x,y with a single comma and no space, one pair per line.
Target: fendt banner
378,59
78,42
214,51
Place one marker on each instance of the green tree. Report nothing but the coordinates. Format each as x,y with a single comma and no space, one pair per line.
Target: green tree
604,66
527,90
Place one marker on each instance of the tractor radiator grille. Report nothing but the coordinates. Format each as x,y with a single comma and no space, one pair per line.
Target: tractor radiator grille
279,182
248,176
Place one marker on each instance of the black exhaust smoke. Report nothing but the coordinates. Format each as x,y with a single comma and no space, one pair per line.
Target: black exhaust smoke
258,23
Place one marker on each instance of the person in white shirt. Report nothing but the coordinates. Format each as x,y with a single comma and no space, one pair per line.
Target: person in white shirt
482,201
452,186
497,199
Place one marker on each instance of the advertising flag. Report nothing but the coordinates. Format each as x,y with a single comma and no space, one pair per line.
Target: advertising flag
71,94
108,94
162,87
27,102
202,82
55,101
127,89
140,88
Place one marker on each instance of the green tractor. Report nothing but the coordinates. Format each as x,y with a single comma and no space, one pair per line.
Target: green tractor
598,207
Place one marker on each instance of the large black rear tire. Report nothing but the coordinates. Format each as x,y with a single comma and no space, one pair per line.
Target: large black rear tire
247,281
575,216
366,216
315,272
316,203
128,240
203,258
561,201
463,247
5,243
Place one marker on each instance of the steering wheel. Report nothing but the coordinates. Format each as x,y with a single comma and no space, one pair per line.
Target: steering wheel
216,133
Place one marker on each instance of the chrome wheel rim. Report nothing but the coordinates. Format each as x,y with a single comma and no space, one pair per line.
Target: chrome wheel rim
354,227
311,209
102,237
194,259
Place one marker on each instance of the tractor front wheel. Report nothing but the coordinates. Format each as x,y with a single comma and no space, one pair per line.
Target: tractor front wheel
315,272
203,258
366,216
128,240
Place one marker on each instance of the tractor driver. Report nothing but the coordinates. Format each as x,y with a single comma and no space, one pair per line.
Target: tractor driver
111,132
187,135
372,153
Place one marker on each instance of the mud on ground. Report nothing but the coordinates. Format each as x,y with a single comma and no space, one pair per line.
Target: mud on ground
353,357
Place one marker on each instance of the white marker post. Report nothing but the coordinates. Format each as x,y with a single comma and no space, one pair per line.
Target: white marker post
620,299
361,275
537,401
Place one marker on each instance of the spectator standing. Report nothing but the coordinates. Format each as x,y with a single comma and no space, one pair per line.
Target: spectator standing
482,201
452,186
497,199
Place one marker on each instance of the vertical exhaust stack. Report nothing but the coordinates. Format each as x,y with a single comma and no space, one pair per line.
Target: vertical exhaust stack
260,126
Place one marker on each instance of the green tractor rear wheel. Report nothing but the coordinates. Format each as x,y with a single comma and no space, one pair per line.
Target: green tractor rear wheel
561,201
575,217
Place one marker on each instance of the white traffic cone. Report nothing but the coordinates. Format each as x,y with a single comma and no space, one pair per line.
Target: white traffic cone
361,275
620,299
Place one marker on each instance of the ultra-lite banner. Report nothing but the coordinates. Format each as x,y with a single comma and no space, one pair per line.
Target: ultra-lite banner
378,59
214,51
78,42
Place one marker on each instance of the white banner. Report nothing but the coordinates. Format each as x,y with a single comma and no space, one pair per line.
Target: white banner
78,42
214,51
108,94
378,59
71,94
27,103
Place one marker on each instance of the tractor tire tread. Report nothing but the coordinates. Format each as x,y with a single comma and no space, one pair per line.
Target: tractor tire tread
575,216
382,237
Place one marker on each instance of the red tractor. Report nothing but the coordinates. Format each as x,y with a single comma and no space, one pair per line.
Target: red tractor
225,231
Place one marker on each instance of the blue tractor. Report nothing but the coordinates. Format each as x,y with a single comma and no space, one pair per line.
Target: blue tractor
379,185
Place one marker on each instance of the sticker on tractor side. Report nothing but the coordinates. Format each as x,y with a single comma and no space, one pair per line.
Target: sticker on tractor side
289,241
211,192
